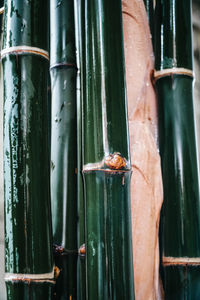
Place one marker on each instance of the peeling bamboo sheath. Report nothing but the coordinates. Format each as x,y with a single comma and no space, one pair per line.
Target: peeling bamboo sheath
25,50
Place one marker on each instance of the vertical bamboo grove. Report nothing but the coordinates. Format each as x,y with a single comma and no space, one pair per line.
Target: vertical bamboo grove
181,209
28,241
64,146
106,159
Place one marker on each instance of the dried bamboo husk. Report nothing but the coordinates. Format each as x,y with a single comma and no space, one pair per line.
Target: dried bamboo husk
146,182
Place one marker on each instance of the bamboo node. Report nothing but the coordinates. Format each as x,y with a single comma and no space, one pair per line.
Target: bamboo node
180,261
1,10
17,50
56,272
57,249
115,161
46,277
170,72
60,250
82,250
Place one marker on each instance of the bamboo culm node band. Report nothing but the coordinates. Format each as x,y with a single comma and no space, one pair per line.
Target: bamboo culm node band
181,261
59,250
25,50
46,277
64,65
173,71
111,163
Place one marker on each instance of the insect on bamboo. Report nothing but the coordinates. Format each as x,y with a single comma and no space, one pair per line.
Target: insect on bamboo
64,146
28,236
181,210
106,159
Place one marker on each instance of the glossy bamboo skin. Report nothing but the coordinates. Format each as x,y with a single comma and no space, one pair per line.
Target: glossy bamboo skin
108,244
173,44
150,14
27,290
80,40
64,145
109,268
182,282
181,209
28,240
1,16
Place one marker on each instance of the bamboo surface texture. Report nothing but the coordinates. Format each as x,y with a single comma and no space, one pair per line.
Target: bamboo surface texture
28,241
180,228
149,4
64,146
146,180
106,159
80,40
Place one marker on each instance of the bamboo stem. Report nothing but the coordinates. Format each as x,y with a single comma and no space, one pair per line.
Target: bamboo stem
64,146
150,14
106,159
28,241
81,271
181,210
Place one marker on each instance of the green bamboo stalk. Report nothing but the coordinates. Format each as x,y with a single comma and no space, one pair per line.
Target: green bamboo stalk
181,209
1,14
81,271
28,237
64,146
150,14
106,158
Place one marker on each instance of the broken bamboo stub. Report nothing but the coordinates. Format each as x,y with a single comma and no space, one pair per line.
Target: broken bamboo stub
28,248
63,71
106,159
180,230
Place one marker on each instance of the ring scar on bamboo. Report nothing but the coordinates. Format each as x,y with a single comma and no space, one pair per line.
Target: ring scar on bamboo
172,71
170,261
25,50
64,65
46,277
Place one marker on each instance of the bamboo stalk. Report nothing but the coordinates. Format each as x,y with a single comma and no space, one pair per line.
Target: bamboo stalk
106,159
1,14
150,14
81,271
64,146
181,210
28,241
